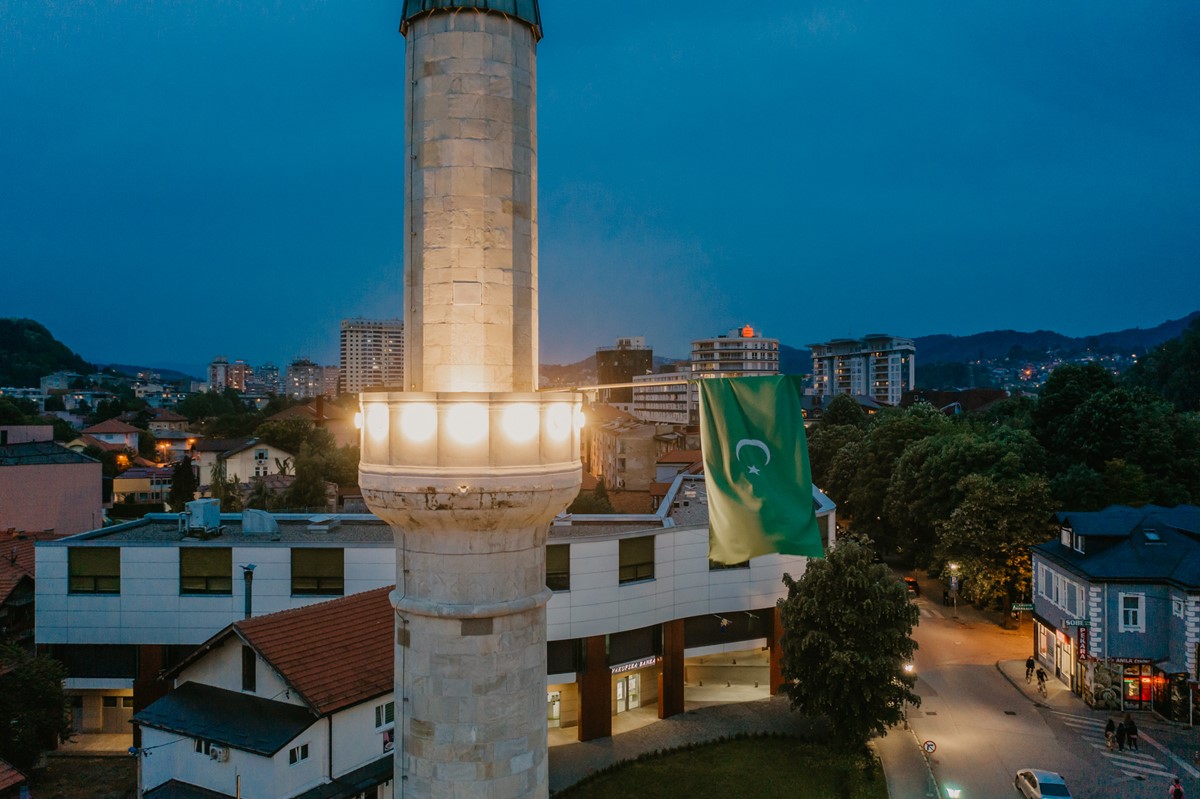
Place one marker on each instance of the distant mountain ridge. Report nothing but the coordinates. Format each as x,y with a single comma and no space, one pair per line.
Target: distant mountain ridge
28,351
1001,343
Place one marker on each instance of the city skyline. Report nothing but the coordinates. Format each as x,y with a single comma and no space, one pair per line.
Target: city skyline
950,171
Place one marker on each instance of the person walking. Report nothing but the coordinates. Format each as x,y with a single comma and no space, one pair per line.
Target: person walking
1029,664
1110,734
1131,732
1121,737
1175,790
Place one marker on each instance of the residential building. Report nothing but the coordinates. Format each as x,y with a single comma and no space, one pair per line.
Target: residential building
115,435
241,458
636,593
879,366
305,379
266,380
372,354
143,484
16,589
620,364
668,397
331,378
1116,608
621,450
45,486
297,703
162,420
58,382
218,374
742,352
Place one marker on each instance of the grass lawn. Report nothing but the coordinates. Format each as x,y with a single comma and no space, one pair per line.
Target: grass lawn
764,768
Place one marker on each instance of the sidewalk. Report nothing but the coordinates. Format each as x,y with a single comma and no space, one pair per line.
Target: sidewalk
1178,743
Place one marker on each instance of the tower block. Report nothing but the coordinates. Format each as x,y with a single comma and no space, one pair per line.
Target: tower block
468,464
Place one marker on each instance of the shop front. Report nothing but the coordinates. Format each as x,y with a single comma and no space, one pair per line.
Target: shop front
635,684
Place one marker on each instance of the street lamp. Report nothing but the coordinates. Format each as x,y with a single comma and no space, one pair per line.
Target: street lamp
954,587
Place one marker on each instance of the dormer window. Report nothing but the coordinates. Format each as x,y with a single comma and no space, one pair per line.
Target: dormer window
1065,534
1152,536
1078,544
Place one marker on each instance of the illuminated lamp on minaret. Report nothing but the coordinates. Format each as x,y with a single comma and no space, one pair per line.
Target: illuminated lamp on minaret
467,462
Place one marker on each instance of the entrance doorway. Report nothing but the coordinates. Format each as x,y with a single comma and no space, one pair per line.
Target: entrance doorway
629,695
553,709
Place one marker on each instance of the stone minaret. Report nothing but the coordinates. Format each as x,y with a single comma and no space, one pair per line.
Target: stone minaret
467,463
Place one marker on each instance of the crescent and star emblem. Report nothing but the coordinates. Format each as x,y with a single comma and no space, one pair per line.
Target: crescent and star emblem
752,442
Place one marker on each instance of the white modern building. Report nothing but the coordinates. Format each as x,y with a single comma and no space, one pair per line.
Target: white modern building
372,354
878,366
634,596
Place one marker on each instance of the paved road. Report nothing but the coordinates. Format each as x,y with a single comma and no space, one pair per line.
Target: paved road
986,722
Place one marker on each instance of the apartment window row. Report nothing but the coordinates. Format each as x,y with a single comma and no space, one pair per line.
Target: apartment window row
635,562
318,571
1063,593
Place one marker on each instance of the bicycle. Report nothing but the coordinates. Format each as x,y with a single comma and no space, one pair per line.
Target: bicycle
1042,688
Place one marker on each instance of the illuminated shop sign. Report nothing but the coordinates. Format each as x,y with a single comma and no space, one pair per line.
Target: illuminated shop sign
635,665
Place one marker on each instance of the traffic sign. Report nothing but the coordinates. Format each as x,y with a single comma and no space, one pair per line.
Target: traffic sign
930,747
1022,606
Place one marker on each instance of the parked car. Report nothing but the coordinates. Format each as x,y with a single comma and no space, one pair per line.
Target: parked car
1034,783
914,588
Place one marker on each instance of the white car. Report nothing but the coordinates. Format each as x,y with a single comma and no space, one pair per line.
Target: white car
1034,783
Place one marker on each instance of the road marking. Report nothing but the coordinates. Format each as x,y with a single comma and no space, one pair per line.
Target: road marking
1179,761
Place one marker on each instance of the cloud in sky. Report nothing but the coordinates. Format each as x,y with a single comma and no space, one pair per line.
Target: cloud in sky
186,179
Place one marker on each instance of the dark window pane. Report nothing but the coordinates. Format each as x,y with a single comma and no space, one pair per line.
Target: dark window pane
558,567
636,559
94,570
249,670
206,570
318,571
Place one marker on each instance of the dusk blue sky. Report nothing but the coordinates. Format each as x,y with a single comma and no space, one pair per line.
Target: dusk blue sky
180,180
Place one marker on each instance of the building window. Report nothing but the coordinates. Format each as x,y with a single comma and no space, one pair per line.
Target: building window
1133,620
297,753
202,746
318,572
558,567
636,559
385,715
249,670
206,570
1177,607
94,570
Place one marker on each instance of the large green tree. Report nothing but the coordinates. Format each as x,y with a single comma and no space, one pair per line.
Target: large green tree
183,485
990,532
308,489
824,443
33,709
847,626
1173,369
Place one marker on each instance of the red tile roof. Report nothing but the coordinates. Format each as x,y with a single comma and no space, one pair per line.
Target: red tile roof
334,654
111,426
329,413
16,563
92,441
9,776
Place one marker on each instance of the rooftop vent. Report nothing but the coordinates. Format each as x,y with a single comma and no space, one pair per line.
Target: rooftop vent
258,521
323,524
202,518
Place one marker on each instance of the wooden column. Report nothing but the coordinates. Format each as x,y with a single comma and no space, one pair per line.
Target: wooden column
595,691
670,679
147,688
774,637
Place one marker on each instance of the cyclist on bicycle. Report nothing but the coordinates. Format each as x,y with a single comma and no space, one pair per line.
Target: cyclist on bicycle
1029,664
1041,678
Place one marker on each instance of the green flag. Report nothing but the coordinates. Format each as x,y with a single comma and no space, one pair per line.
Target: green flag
756,469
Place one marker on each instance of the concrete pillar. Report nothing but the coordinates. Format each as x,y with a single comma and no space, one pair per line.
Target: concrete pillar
595,691
671,678
774,637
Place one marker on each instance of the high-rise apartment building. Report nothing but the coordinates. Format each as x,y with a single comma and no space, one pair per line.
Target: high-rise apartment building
222,374
742,352
878,366
305,379
620,364
372,354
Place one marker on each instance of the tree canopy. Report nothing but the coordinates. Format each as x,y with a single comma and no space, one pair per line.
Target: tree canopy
32,706
847,634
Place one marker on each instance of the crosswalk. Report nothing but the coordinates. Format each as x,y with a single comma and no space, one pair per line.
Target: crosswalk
1131,763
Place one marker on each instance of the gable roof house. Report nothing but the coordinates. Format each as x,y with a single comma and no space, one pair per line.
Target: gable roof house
296,703
1117,608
